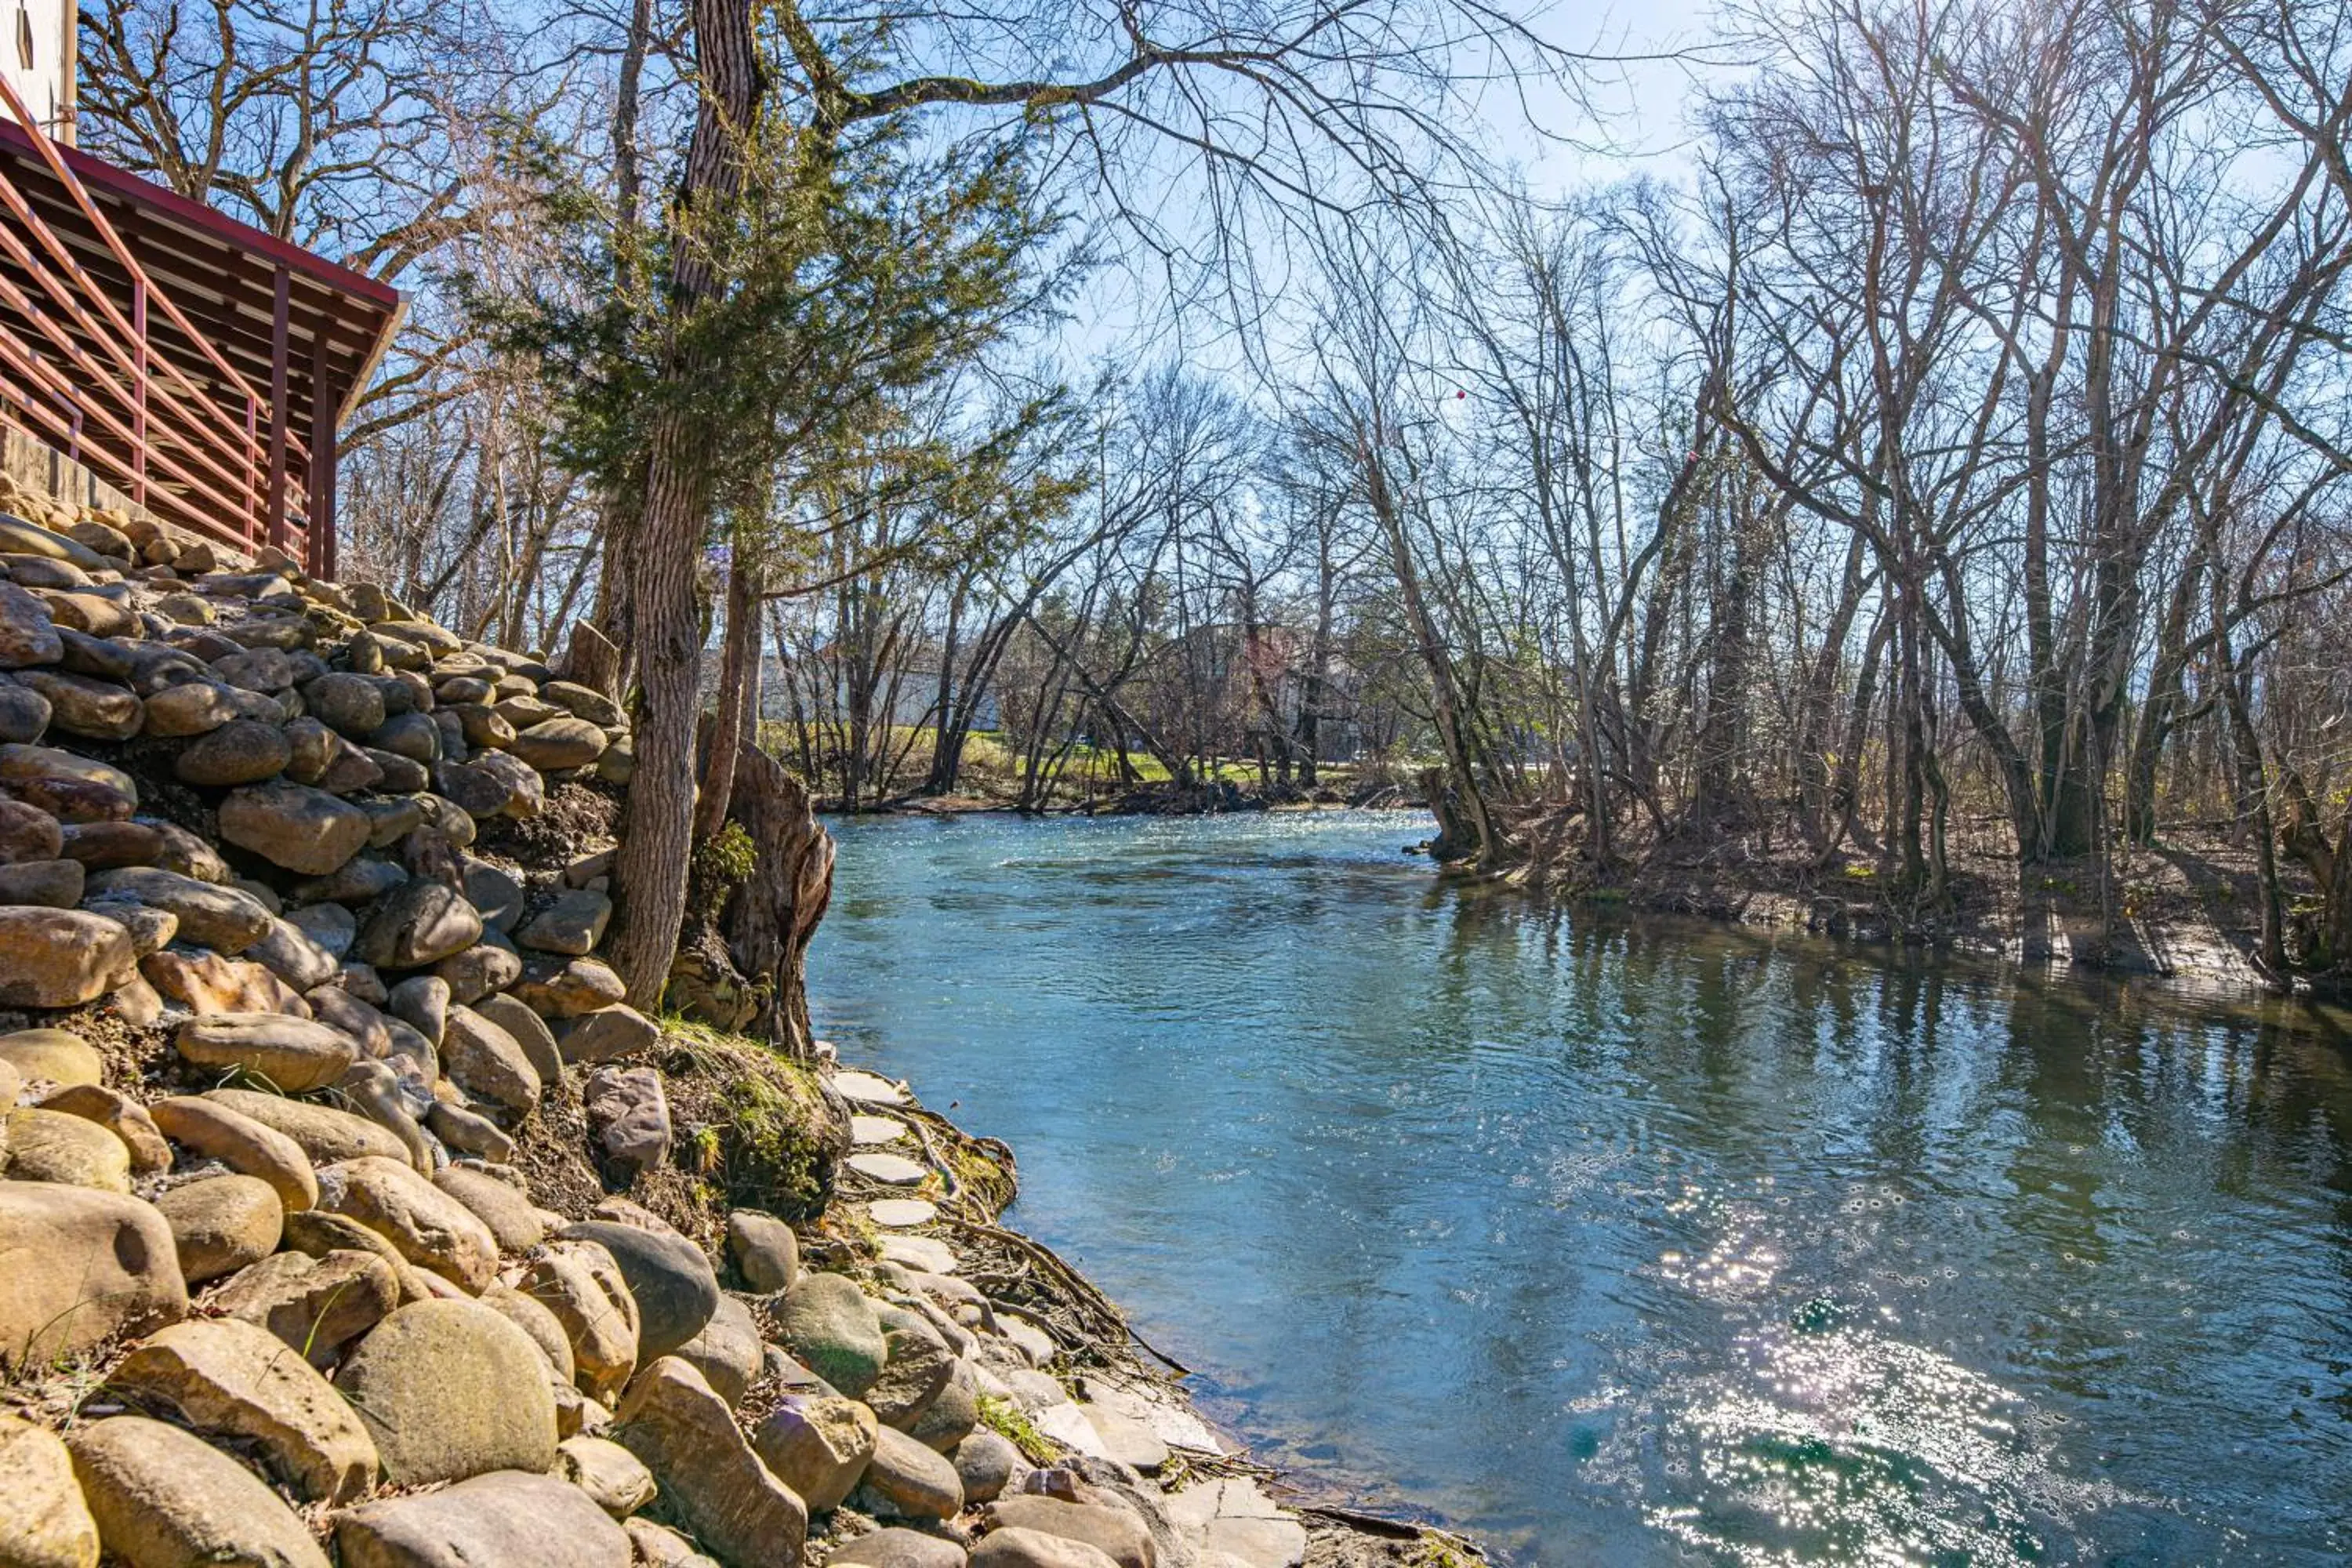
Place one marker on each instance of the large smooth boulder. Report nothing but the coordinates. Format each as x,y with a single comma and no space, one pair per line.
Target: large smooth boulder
241,1143
503,1519
988,1463
529,1031
728,1351
828,1322
607,1472
231,1379
1035,1549
565,988
606,1033
241,752
326,1134
208,983
900,1548
315,1305
60,958
166,1498
448,1390
226,920
292,1055
55,1056
425,1224
571,924
43,1522
672,1283
294,825
558,743
818,1446
1118,1533
417,923
917,1369
580,1284
510,1213
712,1481
766,1252
484,1058
119,1114
222,1223
53,1146
78,705
911,1480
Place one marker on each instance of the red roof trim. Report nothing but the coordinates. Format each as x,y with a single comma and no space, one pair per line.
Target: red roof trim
101,175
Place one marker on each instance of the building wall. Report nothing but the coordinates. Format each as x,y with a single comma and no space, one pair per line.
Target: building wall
36,56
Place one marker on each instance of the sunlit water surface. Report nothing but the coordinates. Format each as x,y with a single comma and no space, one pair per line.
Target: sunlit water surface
1626,1244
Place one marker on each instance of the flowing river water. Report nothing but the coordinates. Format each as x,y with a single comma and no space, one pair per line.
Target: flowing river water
1617,1243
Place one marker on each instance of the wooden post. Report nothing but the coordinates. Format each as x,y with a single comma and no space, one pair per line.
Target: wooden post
278,534
319,546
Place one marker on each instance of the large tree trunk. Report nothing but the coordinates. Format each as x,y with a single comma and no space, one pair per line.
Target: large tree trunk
656,826
739,679
771,918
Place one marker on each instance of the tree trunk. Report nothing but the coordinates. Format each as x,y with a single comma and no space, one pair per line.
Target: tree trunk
656,826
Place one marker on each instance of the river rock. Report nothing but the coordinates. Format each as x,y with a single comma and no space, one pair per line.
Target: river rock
164,1499
817,1446
24,713
241,1143
559,743
988,1463
46,884
350,703
53,1146
196,707
425,1224
505,1520
616,1479
60,958
629,1116
119,1114
208,983
508,1214
607,1033
52,1056
585,702
241,752
416,925
84,1265
897,1547
766,1252
25,768
27,636
29,833
106,845
1116,1532
583,1286
422,1002
1015,1548
573,924
293,1054
529,1031
727,1351
43,1522
911,1480
567,988
468,1132
323,1134
221,1224
658,1546
223,918
294,826
315,1305
227,1378
827,1321
293,955
711,1481
917,1368
526,1313
488,1061
950,1416
448,1390
96,710
479,972
670,1280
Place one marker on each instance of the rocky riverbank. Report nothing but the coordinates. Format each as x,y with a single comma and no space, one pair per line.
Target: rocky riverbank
349,1214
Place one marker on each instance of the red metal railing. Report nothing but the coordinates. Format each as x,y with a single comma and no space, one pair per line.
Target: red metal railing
85,371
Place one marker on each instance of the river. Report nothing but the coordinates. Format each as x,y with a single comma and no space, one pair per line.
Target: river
1622,1243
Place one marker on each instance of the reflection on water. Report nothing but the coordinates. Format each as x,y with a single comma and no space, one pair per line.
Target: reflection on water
1626,1244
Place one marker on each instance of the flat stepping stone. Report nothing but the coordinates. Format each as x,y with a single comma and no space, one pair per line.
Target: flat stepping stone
924,1254
901,1213
1173,1424
868,1131
896,1170
1067,1425
1260,1542
866,1089
1040,1345
1126,1439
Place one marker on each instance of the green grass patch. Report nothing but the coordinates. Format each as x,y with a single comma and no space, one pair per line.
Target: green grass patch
1008,1420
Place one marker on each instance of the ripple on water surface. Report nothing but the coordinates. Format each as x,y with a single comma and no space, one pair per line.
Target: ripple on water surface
1627,1245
